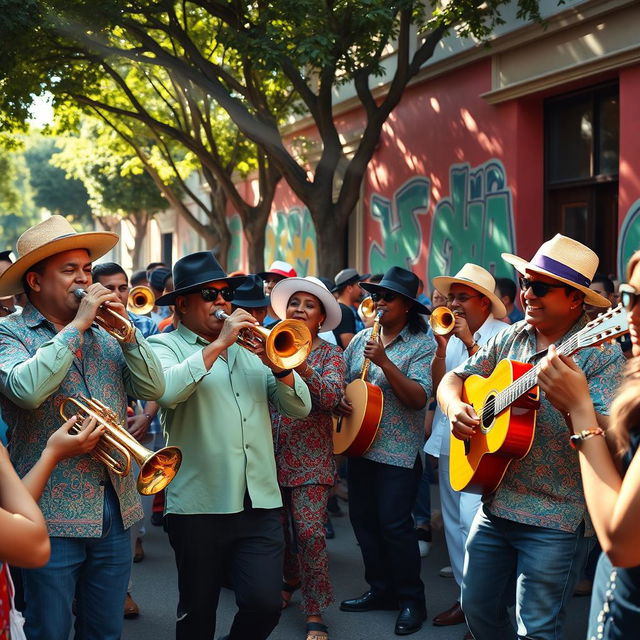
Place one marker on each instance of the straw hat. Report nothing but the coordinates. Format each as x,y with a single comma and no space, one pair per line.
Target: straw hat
566,260
53,235
284,289
474,276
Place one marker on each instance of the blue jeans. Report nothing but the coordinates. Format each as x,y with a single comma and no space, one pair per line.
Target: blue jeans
94,570
544,564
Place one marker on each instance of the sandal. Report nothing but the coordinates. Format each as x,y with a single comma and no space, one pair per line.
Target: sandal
286,592
317,631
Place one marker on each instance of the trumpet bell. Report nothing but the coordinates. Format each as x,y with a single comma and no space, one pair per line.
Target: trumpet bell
442,320
288,344
367,308
158,470
141,300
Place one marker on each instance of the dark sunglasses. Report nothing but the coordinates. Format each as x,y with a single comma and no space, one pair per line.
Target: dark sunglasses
628,296
540,289
211,294
387,296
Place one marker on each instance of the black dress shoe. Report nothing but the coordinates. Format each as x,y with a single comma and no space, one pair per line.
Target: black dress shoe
368,601
410,620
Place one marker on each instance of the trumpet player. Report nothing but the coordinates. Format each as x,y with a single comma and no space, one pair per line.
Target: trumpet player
223,508
53,350
475,311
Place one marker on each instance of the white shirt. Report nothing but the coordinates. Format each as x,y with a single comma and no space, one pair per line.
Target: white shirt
438,443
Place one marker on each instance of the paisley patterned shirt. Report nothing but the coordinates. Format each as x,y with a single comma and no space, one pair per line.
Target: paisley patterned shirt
401,432
38,369
544,489
304,447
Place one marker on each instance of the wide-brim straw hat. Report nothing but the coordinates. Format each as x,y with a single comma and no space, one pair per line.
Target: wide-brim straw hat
284,289
565,260
478,278
48,238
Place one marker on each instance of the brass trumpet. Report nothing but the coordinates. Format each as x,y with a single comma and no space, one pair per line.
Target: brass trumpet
287,345
366,309
442,320
112,322
157,468
141,300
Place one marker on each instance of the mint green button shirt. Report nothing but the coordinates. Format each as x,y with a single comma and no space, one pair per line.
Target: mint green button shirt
220,419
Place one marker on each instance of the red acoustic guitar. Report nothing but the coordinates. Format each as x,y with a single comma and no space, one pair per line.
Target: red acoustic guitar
354,434
506,403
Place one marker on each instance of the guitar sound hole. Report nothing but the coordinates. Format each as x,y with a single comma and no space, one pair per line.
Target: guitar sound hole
488,414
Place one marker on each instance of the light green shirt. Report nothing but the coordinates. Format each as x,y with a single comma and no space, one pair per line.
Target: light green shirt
220,419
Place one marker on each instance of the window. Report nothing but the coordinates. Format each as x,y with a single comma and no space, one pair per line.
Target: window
581,169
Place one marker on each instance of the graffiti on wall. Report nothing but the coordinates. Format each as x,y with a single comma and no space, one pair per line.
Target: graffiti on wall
399,225
629,241
474,223
291,236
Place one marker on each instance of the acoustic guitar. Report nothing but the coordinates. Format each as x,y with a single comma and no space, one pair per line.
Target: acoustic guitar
354,434
506,403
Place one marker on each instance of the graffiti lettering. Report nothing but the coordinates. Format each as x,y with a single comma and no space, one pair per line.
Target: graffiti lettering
291,237
629,238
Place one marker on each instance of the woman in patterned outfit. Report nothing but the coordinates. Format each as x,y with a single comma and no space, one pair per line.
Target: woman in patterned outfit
304,450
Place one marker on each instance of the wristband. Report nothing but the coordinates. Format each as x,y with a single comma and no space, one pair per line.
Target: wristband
473,346
577,439
282,374
148,417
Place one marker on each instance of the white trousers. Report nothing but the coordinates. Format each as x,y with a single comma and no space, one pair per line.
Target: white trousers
458,510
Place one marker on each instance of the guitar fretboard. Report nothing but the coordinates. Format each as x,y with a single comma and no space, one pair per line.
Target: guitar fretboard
529,380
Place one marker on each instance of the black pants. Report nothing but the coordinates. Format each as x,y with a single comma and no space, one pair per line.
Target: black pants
381,498
248,544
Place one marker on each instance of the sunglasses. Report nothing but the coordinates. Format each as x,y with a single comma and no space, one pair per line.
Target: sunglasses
628,296
540,289
210,294
387,296
462,298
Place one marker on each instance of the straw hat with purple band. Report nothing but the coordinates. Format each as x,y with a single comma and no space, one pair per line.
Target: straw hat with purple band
566,260
474,276
48,238
192,272
400,281
284,289
250,294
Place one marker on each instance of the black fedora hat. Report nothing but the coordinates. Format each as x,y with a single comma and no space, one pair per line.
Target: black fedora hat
400,281
192,272
251,293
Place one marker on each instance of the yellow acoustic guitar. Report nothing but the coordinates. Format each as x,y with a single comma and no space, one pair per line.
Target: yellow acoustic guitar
506,403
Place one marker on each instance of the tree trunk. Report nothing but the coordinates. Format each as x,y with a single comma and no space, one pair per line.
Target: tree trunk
255,233
331,236
140,221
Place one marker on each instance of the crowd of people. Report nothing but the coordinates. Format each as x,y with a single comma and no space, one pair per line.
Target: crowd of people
246,375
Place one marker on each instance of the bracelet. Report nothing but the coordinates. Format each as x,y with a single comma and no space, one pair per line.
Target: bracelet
437,357
148,417
472,347
282,374
577,439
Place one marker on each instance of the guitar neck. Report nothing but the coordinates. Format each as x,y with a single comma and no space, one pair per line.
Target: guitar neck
529,380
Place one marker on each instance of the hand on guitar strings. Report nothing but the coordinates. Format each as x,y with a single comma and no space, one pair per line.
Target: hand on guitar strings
464,420
563,382
344,407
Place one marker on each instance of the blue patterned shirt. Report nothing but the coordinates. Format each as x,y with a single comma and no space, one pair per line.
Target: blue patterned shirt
544,489
38,369
401,432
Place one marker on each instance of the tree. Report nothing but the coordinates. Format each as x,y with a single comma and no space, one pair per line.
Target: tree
118,188
231,53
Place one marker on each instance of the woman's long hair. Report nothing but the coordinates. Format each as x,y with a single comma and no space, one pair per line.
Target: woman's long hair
625,410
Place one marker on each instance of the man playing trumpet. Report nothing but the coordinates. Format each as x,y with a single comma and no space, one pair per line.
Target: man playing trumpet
476,312
53,350
223,509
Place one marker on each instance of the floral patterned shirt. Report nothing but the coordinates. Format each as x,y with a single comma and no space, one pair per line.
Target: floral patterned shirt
304,447
38,369
401,432
544,489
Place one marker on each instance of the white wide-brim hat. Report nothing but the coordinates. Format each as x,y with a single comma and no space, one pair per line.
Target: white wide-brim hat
478,278
566,260
283,290
45,239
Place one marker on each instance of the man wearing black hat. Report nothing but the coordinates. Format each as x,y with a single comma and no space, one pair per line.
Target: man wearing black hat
250,296
349,292
223,507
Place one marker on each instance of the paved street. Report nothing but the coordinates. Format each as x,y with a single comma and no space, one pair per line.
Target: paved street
156,592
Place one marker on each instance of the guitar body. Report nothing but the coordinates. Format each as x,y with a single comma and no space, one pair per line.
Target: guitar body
478,464
354,434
